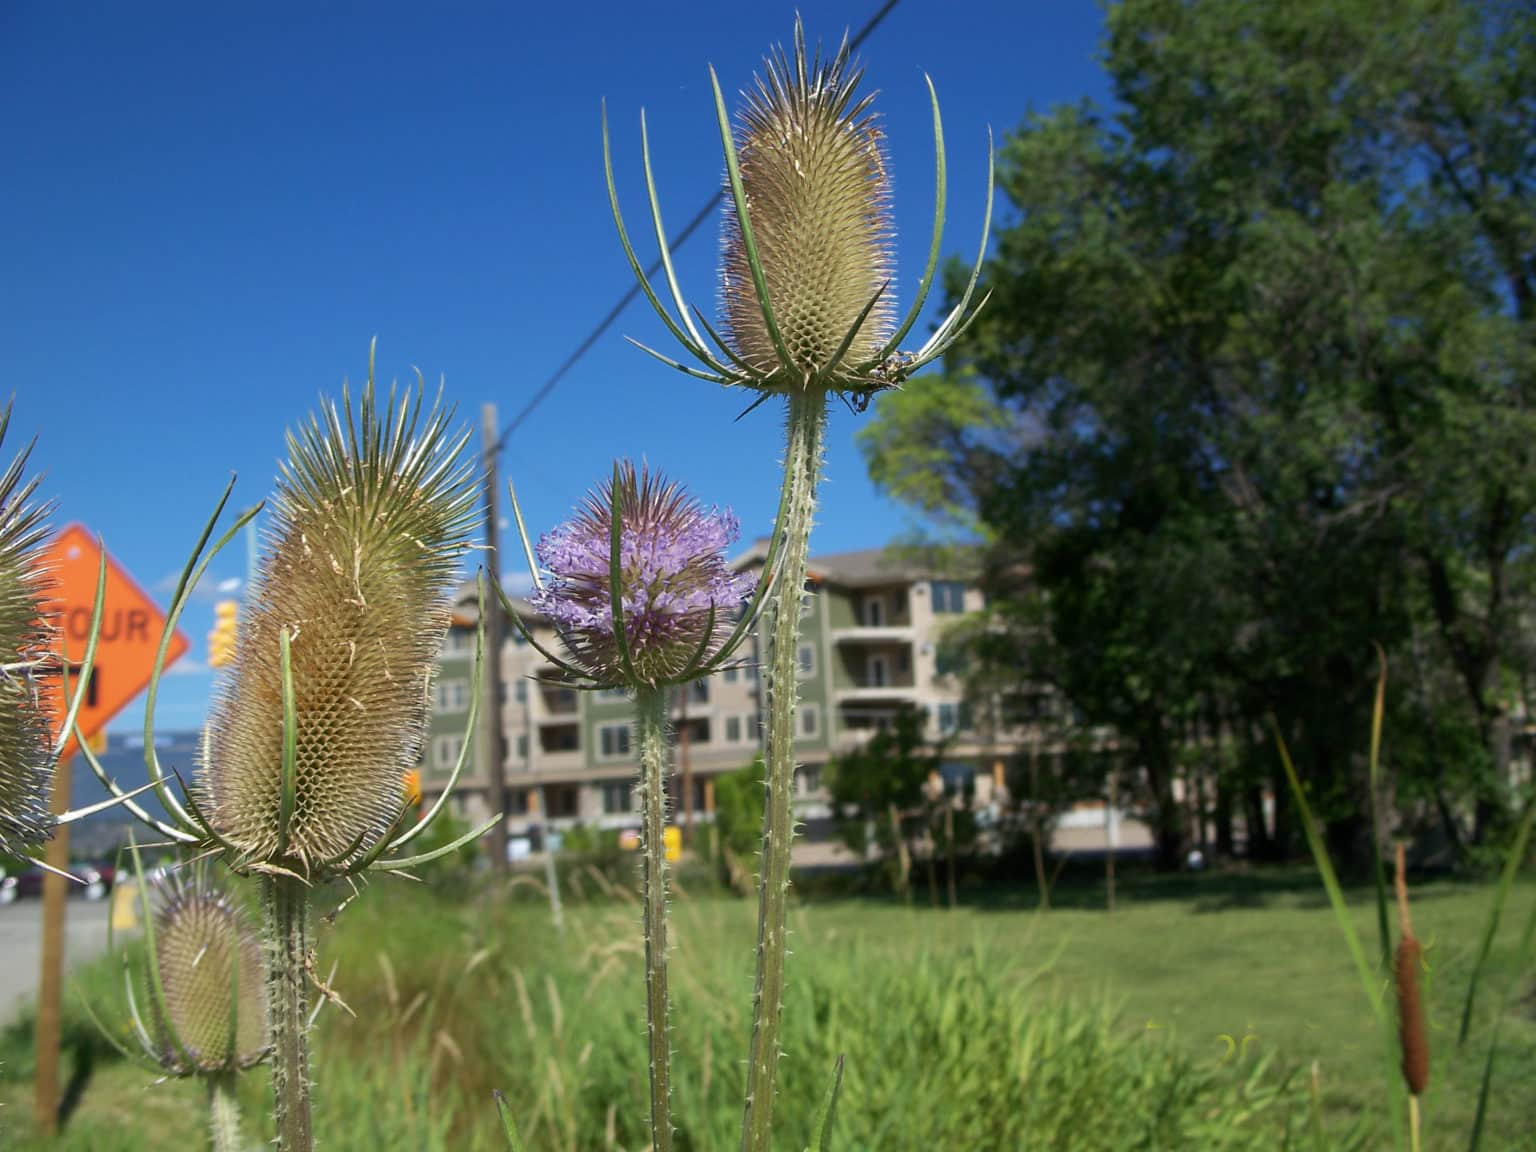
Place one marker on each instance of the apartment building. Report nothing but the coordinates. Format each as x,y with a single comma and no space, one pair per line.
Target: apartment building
869,649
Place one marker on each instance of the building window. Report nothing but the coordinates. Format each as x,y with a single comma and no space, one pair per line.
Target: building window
754,727
874,612
445,751
522,745
457,642
452,696
520,693
949,717
807,779
733,729
616,798
898,602
613,740
731,674
948,596
613,694
806,662
517,801
809,719
751,673
698,692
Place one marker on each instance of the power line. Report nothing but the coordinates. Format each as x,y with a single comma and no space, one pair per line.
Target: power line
676,241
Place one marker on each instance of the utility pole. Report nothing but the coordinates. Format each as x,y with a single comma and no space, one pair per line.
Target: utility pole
489,754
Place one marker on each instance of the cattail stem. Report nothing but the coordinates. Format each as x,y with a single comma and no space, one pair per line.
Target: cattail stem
285,904
651,735
802,464
223,1113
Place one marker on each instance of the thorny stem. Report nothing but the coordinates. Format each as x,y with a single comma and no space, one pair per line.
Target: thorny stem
651,734
223,1113
285,905
802,464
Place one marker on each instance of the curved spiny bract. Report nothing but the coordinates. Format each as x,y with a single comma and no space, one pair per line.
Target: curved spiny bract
816,184
26,753
372,514
206,953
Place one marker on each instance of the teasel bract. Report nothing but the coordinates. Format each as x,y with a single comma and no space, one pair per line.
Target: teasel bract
808,314
326,704
642,599
198,1005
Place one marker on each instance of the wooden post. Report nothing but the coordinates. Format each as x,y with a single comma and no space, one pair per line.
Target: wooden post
685,762
1110,838
50,979
488,749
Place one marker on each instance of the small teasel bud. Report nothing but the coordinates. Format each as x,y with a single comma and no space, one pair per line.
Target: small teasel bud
818,195
678,597
373,512
26,758
206,952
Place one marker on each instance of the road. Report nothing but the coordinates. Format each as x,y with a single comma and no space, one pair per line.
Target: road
21,931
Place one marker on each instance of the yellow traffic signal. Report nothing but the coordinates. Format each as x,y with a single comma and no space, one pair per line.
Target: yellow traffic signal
226,626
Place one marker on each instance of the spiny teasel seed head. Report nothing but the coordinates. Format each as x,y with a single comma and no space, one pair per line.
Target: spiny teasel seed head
678,598
372,514
205,952
26,753
818,198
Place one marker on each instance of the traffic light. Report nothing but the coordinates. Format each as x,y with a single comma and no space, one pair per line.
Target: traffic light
226,626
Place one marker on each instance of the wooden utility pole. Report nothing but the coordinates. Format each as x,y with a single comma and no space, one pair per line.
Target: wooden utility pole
50,978
489,754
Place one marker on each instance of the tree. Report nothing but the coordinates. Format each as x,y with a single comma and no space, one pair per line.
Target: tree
1253,391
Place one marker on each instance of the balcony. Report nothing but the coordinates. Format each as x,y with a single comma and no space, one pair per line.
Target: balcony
875,634
888,687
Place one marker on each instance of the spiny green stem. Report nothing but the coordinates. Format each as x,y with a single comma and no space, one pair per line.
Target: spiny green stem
285,904
224,1113
802,463
651,733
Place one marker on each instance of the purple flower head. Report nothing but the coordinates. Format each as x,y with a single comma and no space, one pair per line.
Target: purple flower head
679,600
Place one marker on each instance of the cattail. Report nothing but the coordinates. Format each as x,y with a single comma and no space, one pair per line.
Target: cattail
26,758
206,953
677,596
372,515
818,195
1413,1037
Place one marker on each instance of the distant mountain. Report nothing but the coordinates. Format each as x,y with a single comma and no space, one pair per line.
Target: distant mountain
104,833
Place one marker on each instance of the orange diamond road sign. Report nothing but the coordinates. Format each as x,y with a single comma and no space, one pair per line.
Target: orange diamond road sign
126,646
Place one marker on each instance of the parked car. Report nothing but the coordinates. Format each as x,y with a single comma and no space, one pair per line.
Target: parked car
95,882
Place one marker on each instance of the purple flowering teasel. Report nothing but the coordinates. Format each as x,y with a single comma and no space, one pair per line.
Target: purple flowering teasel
639,590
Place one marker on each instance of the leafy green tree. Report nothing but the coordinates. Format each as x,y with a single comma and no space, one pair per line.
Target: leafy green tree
1253,392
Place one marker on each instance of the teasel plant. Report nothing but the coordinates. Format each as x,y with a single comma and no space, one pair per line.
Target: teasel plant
29,754
808,314
642,600
203,990
326,703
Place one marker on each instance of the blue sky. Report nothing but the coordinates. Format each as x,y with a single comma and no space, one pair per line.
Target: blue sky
209,211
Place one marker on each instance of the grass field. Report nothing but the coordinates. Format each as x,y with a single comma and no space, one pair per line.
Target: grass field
1188,1018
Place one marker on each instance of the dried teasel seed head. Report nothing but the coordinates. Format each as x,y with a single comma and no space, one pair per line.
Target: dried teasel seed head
206,952
372,514
818,197
26,758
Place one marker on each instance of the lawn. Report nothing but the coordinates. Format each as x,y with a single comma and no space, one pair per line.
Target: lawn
1188,1018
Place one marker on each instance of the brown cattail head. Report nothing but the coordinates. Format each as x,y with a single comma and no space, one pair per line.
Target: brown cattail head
818,197
206,953
1412,1035
372,514
26,758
